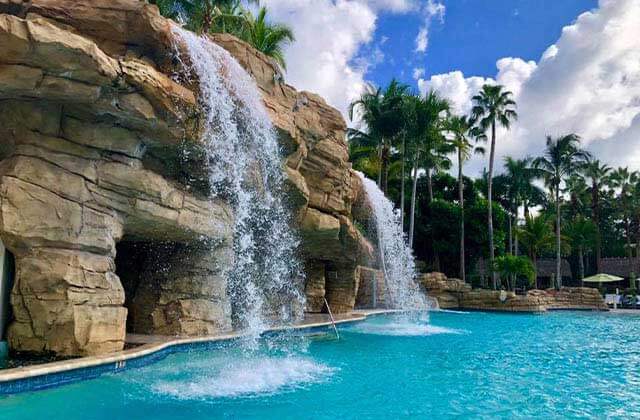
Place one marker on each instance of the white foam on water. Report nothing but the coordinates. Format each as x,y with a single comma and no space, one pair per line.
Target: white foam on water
396,256
451,311
406,329
248,377
245,168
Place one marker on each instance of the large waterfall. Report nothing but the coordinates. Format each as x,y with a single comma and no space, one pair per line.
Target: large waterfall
396,258
245,168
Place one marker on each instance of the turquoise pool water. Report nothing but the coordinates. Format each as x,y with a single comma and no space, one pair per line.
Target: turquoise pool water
561,364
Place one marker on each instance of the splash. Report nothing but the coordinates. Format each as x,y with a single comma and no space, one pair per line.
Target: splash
396,257
404,328
247,377
244,164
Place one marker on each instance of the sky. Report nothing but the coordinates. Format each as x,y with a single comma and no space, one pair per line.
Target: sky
573,65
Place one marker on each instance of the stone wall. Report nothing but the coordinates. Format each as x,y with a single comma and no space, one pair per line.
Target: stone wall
83,129
99,150
454,293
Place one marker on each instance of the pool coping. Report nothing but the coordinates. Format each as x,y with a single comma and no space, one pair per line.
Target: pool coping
47,375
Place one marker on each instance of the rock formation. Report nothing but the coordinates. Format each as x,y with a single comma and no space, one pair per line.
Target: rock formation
103,199
456,294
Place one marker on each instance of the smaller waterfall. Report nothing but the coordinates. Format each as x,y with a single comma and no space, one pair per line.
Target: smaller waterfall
396,257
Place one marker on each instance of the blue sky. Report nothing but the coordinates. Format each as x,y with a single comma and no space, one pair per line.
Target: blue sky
472,36
572,65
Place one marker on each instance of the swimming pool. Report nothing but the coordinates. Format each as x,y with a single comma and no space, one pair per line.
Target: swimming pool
559,364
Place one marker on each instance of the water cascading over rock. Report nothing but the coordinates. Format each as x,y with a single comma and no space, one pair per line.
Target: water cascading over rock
245,167
396,258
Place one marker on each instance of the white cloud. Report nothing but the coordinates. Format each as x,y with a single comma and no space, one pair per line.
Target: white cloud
431,10
418,72
395,6
328,36
327,56
588,82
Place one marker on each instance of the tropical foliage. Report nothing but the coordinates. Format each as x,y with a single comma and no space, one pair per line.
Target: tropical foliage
561,204
230,16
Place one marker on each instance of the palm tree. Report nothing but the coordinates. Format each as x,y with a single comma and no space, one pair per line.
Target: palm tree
426,143
562,157
381,112
493,106
461,130
536,237
268,38
408,113
581,234
519,176
625,181
205,15
597,173
577,189
363,152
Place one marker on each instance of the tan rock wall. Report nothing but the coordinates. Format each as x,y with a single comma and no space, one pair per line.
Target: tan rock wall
98,145
81,130
454,293
372,289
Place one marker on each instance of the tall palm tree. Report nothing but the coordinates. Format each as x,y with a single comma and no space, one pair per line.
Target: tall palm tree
461,130
536,236
381,112
408,116
269,38
578,190
625,181
493,106
562,157
581,233
426,142
597,173
519,177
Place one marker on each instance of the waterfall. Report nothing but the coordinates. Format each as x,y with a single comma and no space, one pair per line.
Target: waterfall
245,168
396,258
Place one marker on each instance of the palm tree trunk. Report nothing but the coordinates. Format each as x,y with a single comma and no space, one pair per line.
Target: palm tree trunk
385,168
461,200
558,244
629,250
430,185
534,260
490,210
402,185
380,165
207,18
414,190
436,256
510,235
596,219
581,265
515,237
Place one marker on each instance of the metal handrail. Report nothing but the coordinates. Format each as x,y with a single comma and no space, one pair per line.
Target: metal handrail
333,321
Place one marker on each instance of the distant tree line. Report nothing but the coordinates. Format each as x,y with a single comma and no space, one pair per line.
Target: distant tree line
562,204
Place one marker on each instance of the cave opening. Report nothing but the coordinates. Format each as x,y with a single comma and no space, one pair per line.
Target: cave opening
138,264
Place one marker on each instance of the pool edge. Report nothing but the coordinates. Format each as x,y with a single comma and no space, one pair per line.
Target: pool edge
48,375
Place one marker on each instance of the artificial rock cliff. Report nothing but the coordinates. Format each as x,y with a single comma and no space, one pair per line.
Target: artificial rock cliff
103,199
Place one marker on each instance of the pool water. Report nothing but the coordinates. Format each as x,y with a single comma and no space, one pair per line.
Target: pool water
560,364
